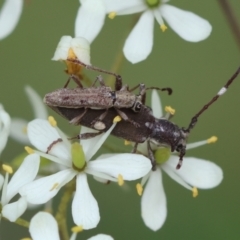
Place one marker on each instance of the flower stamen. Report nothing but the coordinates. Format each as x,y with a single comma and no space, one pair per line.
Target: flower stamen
212,139
163,27
120,180
29,150
126,142
195,192
52,121
77,229
112,15
139,188
7,168
170,110
117,119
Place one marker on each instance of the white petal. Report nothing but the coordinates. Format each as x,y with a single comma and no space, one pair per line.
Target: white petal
187,25
85,209
122,7
9,16
130,166
101,237
14,210
18,130
5,123
90,19
44,226
26,173
197,172
139,43
156,105
172,173
81,48
91,146
101,180
41,135
153,203
43,189
36,101
61,52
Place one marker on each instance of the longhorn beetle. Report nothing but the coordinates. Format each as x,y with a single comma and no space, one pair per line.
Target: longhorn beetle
102,97
161,131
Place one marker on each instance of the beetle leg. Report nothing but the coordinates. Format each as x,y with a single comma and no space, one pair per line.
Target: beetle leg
86,135
76,120
151,156
75,79
99,79
99,119
125,118
134,150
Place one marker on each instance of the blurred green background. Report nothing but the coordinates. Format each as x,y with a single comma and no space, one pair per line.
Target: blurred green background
195,71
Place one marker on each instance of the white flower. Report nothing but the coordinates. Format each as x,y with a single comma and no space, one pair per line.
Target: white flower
18,125
25,174
68,46
44,226
5,123
9,16
90,19
139,43
194,173
76,163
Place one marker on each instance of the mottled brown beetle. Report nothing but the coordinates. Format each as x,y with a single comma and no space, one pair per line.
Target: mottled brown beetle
161,131
102,97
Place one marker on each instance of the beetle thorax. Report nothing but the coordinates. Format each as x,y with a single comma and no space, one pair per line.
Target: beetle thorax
166,133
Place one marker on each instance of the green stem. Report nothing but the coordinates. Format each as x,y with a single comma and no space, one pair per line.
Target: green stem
110,81
227,10
61,214
22,222
118,62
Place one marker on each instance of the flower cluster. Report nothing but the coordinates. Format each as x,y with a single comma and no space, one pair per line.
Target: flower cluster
138,45
71,164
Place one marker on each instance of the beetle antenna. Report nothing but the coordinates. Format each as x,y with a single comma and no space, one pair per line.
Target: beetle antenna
205,107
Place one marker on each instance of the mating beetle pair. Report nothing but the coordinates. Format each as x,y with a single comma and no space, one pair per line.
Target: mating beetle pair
96,107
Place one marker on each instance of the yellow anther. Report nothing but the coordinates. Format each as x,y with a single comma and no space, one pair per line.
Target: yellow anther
71,54
170,110
29,150
212,139
120,180
195,192
52,121
24,130
163,27
55,185
25,239
117,119
139,189
77,229
126,142
112,15
7,168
